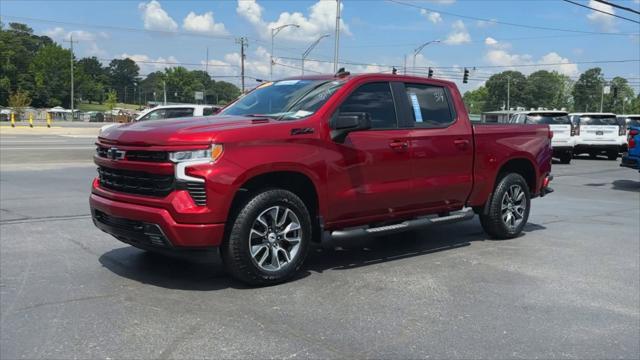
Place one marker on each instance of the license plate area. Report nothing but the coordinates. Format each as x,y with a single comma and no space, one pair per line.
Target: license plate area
599,132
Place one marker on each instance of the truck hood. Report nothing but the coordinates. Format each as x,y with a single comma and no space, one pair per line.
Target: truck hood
181,131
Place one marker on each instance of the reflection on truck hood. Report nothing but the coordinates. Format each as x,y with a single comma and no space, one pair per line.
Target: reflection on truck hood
181,131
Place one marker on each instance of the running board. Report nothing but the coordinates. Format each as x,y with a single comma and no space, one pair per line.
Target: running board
464,214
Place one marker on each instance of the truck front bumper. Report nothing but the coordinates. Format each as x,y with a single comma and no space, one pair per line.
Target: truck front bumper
151,228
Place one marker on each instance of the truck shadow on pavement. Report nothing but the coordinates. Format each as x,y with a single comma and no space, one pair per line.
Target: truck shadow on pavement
626,185
208,274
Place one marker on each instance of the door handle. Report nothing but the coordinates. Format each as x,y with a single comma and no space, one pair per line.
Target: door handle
399,145
461,144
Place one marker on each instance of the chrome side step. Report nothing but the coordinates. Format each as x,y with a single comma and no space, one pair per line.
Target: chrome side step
464,214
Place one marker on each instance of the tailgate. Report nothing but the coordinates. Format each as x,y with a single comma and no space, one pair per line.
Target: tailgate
599,132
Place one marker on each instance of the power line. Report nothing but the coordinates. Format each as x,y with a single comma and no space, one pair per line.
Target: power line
601,11
619,6
493,21
167,62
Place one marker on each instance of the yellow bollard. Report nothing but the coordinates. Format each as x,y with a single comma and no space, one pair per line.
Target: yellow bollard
48,120
30,119
13,120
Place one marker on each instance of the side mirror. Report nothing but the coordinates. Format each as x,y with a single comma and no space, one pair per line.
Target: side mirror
345,122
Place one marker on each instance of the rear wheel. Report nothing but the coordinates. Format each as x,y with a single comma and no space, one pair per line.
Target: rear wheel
509,208
612,154
566,158
269,238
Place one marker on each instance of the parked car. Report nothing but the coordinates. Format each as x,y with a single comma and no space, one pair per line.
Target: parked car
173,111
631,159
598,133
627,121
563,131
305,159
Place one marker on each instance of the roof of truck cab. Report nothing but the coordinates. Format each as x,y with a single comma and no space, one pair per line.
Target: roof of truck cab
399,77
592,113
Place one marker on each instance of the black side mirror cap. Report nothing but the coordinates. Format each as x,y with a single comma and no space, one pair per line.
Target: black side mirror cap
345,122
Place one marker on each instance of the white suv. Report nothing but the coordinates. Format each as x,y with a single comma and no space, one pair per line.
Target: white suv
598,133
173,111
563,139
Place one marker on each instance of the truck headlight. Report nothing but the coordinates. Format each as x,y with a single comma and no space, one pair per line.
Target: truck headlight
212,154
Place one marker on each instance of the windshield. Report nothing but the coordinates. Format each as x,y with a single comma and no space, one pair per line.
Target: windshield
286,99
598,120
551,119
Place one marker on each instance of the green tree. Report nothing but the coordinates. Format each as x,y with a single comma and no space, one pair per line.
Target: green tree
225,92
475,100
587,91
620,96
547,89
123,74
18,45
51,75
90,79
112,99
497,90
19,100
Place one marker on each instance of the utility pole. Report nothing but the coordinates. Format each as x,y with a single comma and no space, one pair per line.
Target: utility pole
405,64
206,64
164,91
71,47
605,88
243,44
509,95
274,32
337,39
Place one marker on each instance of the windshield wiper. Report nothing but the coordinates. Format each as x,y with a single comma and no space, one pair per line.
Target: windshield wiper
269,116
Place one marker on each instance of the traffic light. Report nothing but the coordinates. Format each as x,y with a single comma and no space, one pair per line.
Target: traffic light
465,78
430,72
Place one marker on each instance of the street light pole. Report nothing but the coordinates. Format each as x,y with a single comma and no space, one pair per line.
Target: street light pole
274,32
313,45
419,49
337,39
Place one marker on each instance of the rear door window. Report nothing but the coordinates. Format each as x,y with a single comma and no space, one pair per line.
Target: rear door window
598,120
549,118
429,105
179,112
376,100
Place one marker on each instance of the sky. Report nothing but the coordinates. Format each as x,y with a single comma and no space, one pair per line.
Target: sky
484,36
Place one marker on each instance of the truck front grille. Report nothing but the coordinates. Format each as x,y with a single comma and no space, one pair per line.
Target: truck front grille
136,182
136,155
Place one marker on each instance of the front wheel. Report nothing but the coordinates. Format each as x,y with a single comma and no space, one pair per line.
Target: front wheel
509,208
566,158
269,238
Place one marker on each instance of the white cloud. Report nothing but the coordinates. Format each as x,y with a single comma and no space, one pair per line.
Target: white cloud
606,22
490,41
320,20
485,23
155,18
204,24
432,16
459,35
84,41
500,57
148,65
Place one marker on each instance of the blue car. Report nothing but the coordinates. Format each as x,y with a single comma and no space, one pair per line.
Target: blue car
631,159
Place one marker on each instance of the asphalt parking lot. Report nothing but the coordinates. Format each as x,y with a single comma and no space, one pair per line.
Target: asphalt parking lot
568,288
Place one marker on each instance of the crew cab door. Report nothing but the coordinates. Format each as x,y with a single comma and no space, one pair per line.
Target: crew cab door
369,178
442,146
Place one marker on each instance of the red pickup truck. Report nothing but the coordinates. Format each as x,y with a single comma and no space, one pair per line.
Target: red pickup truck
300,160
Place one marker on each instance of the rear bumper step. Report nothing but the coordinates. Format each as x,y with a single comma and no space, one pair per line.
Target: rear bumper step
464,214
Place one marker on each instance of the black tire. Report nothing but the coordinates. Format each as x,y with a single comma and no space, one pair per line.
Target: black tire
612,154
593,154
566,158
493,222
236,253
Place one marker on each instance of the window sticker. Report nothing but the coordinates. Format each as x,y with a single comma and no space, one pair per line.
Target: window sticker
416,107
